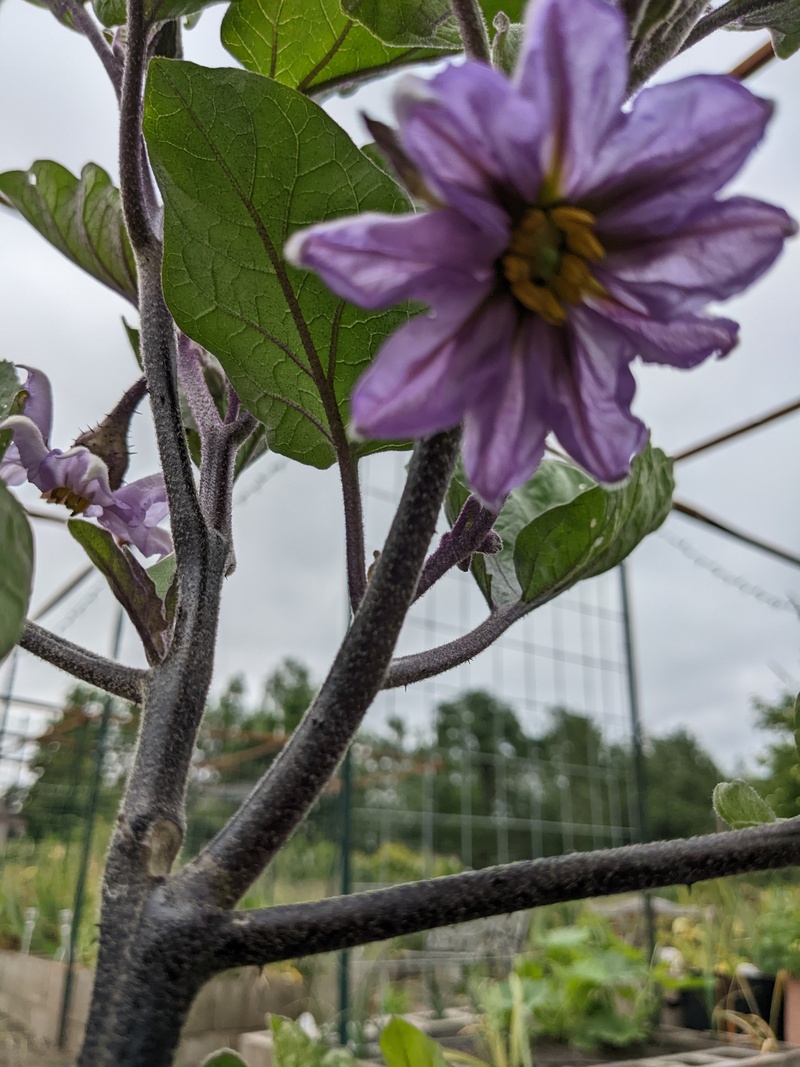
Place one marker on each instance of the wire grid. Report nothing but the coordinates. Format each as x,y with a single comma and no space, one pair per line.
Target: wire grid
568,655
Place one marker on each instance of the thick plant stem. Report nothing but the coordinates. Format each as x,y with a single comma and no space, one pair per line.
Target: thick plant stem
271,934
234,858
142,982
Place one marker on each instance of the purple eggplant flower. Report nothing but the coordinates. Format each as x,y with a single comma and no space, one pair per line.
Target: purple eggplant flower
565,236
78,478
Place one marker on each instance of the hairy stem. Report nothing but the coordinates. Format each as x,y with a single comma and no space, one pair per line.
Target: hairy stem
240,851
151,823
125,682
468,534
86,25
663,43
472,27
272,934
409,669
723,16
353,522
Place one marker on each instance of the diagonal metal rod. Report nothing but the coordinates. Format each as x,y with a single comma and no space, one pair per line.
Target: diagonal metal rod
63,592
737,431
754,62
716,524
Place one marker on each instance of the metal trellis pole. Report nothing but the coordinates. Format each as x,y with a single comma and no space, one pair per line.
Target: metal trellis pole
639,770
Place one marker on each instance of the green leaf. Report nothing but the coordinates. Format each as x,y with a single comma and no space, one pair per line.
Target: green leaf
553,483
133,341
403,1045
593,532
162,575
739,805
9,387
224,1057
16,570
112,12
782,19
797,724
514,10
271,37
81,217
242,162
424,23
129,582
411,23
252,450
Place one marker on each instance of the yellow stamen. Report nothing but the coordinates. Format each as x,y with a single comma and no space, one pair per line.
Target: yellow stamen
542,300
77,504
547,260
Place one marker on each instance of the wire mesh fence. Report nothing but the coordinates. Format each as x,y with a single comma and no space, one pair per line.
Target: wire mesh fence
524,752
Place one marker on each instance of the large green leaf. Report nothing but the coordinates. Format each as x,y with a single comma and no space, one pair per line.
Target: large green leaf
272,37
594,531
560,527
553,483
112,12
242,161
82,217
16,570
403,1045
782,19
130,583
424,23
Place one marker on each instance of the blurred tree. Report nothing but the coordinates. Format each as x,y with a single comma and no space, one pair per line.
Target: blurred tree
780,783
237,744
680,777
54,804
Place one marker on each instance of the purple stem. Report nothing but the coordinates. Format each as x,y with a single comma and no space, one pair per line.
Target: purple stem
414,668
86,25
236,856
472,26
89,667
267,935
468,534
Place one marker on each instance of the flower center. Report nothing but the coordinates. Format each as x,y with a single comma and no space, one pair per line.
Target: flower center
76,504
547,262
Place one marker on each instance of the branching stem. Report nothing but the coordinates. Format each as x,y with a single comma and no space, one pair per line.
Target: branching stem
469,533
84,22
240,851
723,16
414,668
89,667
272,934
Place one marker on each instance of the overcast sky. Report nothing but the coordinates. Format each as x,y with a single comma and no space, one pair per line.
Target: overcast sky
706,645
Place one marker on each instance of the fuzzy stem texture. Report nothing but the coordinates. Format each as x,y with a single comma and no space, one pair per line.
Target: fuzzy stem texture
271,934
89,667
472,26
235,857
